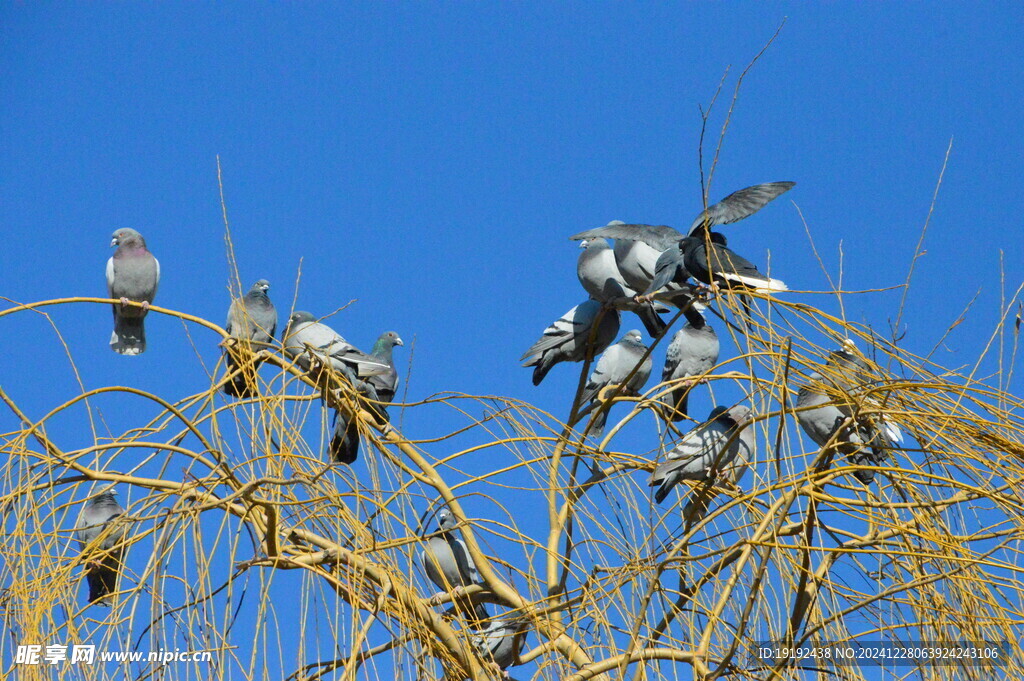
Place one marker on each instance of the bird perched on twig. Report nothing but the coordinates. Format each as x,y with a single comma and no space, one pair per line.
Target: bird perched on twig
600,277
344,445
132,276
692,352
614,368
306,338
572,337
864,439
721,446
99,533
253,318
448,565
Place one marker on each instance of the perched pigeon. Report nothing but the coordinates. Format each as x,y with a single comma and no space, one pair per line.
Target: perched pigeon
323,341
601,278
598,272
716,447
719,266
132,275
105,562
567,340
251,318
502,642
448,565
865,440
615,365
692,352
344,446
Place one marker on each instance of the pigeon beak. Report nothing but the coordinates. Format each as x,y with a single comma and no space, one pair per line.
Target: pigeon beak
398,341
583,243
113,242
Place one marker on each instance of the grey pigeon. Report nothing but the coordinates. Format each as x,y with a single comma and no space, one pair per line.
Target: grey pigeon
737,206
568,339
132,275
716,447
306,335
250,318
501,642
102,570
600,277
598,273
692,352
615,365
344,446
448,565
865,440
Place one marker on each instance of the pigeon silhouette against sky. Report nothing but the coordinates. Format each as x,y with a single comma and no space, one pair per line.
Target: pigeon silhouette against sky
716,447
693,352
449,566
600,277
568,338
613,368
103,561
250,318
344,445
132,275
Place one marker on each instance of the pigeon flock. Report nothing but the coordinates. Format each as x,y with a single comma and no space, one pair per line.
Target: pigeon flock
647,270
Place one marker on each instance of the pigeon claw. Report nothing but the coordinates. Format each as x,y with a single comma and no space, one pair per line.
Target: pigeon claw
124,302
145,305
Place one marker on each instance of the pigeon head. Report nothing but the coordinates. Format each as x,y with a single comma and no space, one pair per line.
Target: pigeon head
391,338
741,414
445,519
633,336
301,317
127,237
261,285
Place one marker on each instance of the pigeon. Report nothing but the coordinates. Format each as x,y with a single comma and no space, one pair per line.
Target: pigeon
601,278
598,272
251,318
692,352
101,572
717,266
615,365
305,336
344,445
132,275
722,445
501,642
448,565
567,339
864,441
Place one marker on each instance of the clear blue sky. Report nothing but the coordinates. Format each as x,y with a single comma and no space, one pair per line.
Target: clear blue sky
430,159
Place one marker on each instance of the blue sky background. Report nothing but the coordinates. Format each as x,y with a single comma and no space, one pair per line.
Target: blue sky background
430,160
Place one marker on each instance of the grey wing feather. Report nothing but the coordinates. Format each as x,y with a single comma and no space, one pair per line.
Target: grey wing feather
740,204
665,269
660,237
